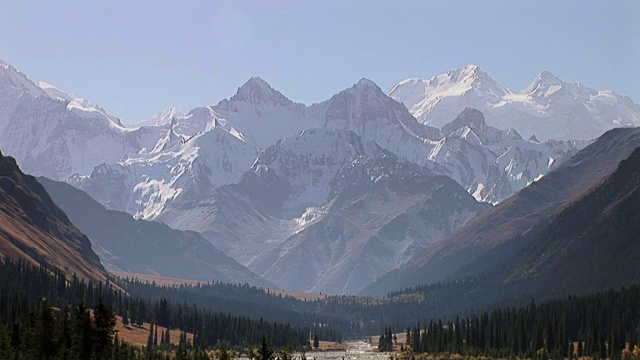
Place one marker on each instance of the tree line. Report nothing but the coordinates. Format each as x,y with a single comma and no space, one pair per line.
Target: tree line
242,300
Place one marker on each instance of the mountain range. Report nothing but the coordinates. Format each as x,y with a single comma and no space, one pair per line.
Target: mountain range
326,211
548,108
329,197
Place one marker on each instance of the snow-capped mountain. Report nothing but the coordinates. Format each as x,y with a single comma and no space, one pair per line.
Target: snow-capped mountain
549,108
55,134
326,211
489,163
144,183
263,115
493,164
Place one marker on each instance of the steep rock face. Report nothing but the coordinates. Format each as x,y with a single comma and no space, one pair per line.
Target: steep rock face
33,228
367,111
327,211
493,164
515,215
549,108
128,245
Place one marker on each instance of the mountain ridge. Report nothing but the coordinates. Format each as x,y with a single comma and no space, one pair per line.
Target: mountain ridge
548,108
33,228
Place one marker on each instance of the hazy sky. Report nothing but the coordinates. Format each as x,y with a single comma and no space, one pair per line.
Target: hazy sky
136,58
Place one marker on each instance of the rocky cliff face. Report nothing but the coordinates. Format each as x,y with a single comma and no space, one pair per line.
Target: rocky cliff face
33,228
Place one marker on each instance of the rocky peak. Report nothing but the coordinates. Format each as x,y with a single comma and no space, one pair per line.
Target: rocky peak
545,78
256,91
472,118
365,83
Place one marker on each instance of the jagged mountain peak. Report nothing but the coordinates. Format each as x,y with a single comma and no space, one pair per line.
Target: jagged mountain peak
469,74
544,79
546,85
257,81
546,75
257,91
466,71
365,89
470,117
366,83
474,120
362,87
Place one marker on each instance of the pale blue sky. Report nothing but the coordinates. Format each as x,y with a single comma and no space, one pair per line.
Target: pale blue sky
136,58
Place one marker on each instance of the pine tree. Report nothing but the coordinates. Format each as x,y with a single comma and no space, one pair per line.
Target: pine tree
63,333
82,337
125,318
265,351
105,321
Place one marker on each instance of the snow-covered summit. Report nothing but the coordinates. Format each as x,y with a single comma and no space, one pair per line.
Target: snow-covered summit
469,83
548,108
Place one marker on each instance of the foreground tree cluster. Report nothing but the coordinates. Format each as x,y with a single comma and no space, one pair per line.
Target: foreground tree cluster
44,315
606,325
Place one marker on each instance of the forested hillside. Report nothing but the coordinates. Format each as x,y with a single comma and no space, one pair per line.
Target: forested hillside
44,316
